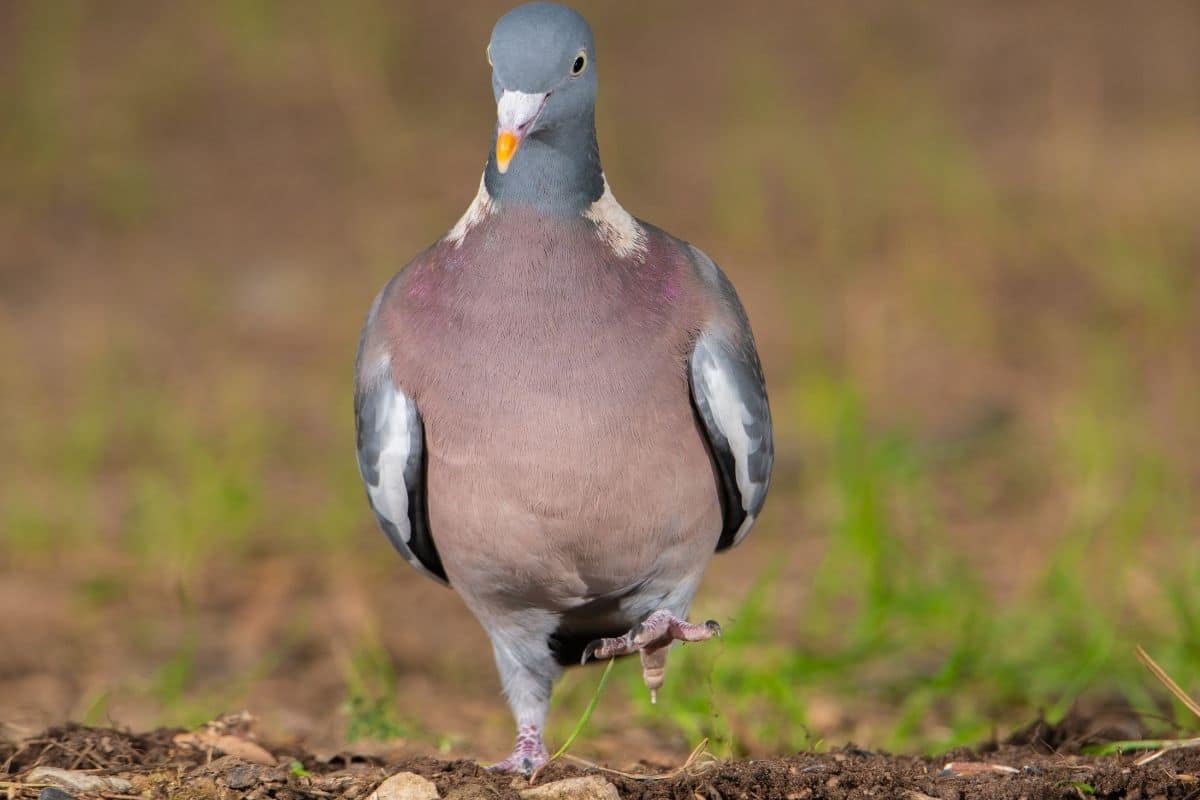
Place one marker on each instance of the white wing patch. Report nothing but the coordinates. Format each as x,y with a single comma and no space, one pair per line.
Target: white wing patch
390,455
744,528
480,209
616,226
390,495
733,419
731,403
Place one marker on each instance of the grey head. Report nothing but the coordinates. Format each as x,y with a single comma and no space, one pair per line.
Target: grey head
544,79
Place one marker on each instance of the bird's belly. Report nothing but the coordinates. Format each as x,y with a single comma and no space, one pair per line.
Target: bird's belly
575,496
564,461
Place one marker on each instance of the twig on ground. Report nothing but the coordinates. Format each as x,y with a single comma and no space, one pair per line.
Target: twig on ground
1168,681
1165,745
699,751
8,761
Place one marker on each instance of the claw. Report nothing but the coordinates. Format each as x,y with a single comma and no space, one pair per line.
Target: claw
590,650
713,626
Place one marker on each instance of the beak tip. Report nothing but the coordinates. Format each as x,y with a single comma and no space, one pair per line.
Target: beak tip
506,147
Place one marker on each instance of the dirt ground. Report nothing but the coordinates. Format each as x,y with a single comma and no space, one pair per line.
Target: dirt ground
223,760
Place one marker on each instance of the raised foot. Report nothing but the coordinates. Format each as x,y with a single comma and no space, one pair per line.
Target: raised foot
527,755
651,637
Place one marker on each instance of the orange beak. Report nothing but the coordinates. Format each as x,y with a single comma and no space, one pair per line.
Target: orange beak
506,146
516,115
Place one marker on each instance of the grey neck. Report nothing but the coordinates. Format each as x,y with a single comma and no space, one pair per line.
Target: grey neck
556,170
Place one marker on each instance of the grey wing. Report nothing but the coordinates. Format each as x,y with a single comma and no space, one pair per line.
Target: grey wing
730,399
391,458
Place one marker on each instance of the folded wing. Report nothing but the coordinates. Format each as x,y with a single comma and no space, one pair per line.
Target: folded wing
730,399
391,458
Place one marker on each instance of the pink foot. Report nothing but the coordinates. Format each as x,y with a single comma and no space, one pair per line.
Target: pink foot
528,753
651,637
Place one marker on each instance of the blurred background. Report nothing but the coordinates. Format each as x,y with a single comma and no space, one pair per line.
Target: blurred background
967,236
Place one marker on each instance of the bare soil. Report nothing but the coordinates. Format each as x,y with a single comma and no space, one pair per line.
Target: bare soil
163,764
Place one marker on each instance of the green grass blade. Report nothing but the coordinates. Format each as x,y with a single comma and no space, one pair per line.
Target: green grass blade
1111,748
587,712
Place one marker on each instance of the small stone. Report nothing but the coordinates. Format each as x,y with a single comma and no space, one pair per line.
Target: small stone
79,781
53,793
591,787
242,776
244,749
405,786
335,784
958,769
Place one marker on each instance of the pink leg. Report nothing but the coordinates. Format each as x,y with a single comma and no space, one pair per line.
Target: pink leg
651,637
528,753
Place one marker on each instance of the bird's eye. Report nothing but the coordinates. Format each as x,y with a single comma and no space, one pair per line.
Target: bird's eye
580,63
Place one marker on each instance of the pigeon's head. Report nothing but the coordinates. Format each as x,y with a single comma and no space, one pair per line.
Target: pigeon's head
543,74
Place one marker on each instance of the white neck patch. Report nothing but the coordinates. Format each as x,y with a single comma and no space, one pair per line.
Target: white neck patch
480,209
616,226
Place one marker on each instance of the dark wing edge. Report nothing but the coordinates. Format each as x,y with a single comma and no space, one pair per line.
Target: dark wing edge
729,396
391,460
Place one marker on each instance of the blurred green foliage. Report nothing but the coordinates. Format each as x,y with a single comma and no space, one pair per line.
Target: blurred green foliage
371,698
966,238
911,630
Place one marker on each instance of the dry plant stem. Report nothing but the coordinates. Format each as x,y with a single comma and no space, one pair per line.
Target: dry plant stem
1168,681
697,752
1167,747
1181,695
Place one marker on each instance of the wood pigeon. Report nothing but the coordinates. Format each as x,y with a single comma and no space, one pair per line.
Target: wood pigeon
560,409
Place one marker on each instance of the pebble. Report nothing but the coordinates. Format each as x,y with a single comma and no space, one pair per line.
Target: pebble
242,776
405,786
591,787
956,769
79,781
244,749
52,793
